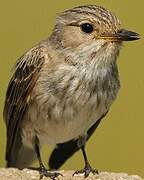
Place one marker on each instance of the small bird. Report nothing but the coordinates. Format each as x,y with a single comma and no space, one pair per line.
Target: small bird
62,88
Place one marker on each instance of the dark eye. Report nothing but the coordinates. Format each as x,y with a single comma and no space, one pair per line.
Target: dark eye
87,28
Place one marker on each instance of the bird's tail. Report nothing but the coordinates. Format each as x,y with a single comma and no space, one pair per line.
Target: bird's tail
20,156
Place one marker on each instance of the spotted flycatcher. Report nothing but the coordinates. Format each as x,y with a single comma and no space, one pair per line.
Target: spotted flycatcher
62,88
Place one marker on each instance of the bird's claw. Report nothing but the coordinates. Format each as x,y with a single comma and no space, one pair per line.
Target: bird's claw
51,174
86,171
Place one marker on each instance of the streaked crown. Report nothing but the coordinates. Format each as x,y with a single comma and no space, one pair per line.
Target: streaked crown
92,13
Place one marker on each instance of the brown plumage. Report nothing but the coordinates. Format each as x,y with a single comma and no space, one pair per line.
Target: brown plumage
18,95
62,88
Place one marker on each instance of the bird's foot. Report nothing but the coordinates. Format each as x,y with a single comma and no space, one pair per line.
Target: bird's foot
46,173
86,171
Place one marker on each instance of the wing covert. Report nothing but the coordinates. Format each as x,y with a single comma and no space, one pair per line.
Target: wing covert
17,96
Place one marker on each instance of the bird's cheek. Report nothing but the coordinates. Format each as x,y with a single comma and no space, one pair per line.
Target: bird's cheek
70,38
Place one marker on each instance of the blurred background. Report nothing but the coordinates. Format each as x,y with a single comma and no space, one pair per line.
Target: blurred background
118,143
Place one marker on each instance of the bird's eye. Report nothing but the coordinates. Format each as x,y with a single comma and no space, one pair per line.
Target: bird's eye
87,28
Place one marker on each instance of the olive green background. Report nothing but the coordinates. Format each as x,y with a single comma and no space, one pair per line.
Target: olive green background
118,144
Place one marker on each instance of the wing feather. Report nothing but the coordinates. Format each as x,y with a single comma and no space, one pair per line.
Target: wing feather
17,97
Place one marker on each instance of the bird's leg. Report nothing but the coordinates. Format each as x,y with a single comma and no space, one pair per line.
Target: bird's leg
87,169
42,170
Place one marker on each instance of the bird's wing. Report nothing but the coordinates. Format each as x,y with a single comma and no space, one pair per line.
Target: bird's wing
18,93
65,150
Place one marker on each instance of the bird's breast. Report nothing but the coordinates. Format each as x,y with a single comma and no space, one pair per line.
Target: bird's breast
65,107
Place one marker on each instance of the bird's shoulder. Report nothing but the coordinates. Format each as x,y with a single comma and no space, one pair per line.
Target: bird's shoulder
25,73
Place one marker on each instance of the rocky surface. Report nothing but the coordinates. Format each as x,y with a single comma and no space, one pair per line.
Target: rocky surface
26,174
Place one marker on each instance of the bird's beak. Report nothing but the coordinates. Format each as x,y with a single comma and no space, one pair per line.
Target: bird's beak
125,35
122,35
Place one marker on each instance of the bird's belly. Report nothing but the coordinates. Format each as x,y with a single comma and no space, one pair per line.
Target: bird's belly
66,126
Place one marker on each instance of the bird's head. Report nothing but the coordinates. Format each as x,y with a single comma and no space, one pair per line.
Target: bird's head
90,28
